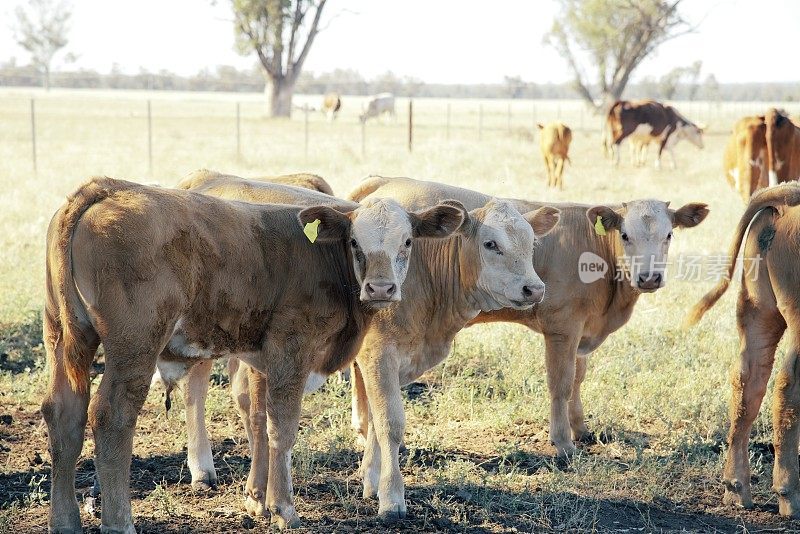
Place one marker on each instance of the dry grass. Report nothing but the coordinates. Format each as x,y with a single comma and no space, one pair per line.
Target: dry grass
478,458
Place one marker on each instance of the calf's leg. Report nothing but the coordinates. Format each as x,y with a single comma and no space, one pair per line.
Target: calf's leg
240,391
576,418
387,425
359,418
199,456
786,428
112,414
256,414
760,329
65,412
560,354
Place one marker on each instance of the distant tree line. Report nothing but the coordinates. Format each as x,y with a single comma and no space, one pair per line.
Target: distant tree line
680,84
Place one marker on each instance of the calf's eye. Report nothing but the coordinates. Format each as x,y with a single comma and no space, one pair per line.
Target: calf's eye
669,236
354,243
624,237
490,245
408,242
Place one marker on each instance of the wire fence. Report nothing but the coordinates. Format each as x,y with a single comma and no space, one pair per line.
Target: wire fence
155,125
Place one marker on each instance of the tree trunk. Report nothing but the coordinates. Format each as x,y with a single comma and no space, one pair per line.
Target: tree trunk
280,97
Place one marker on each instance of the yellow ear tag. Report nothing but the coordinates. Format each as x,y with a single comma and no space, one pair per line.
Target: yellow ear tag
598,226
311,229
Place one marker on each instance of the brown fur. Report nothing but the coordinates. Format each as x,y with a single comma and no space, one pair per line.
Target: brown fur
767,307
783,144
554,142
744,147
208,181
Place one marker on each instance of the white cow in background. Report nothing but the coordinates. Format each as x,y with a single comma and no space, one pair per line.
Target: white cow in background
377,105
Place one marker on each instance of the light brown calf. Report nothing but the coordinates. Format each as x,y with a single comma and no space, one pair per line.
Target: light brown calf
201,177
768,306
168,277
783,147
745,157
590,293
450,283
554,141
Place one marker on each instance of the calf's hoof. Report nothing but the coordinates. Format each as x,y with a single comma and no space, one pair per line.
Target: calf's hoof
205,484
789,503
255,505
736,494
65,530
127,529
284,517
565,449
393,513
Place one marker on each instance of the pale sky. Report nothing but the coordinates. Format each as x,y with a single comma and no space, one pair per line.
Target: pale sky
448,41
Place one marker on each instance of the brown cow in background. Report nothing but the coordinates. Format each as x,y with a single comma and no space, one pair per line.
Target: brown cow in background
331,105
744,161
554,143
783,147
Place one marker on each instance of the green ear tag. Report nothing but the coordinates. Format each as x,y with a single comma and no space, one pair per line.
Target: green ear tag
598,226
311,229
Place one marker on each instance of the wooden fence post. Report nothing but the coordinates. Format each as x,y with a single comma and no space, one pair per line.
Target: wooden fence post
238,132
149,138
410,124
33,135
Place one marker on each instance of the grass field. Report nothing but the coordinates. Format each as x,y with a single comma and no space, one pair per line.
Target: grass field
478,455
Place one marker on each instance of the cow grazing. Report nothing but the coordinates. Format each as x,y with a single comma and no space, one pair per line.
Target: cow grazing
331,104
168,277
783,147
486,267
768,306
745,157
378,105
554,142
581,307
647,118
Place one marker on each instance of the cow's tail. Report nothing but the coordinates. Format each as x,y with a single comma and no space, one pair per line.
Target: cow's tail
367,186
77,351
787,195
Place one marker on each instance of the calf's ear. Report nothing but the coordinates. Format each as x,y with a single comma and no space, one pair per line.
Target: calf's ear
543,220
689,215
438,221
609,219
333,225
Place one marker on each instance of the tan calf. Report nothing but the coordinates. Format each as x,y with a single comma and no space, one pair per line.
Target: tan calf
745,157
768,307
168,278
487,267
578,312
554,141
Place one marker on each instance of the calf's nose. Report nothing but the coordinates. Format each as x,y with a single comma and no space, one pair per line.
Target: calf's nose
533,293
650,281
380,291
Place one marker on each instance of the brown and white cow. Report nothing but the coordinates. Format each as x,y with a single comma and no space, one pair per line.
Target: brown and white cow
783,147
331,104
648,118
554,141
378,105
451,282
588,297
163,277
767,308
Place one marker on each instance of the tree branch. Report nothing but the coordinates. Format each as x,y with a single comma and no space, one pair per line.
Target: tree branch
312,33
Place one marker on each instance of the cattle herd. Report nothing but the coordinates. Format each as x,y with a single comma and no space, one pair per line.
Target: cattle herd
291,284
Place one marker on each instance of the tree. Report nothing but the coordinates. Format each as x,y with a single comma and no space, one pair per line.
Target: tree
687,76
612,37
41,30
281,33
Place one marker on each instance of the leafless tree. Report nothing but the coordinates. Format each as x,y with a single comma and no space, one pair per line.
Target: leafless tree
41,29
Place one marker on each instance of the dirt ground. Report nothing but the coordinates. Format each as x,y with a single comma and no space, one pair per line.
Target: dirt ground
330,500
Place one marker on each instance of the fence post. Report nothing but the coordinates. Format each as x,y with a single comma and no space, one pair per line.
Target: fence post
410,124
363,138
33,135
448,121
149,139
238,132
509,117
305,119
480,122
